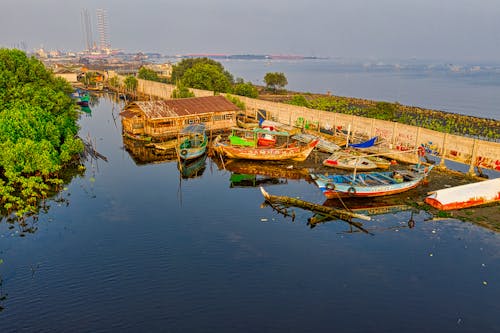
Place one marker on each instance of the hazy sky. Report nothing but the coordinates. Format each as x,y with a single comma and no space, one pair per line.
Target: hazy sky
454,30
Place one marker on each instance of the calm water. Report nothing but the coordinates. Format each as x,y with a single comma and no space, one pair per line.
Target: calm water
138,249
470,90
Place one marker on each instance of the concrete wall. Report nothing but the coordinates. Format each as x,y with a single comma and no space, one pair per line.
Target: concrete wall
400,137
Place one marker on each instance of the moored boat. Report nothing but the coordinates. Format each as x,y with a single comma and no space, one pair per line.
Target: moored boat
287,151
370,184
192,142
255,137
464,196
345,160
379,161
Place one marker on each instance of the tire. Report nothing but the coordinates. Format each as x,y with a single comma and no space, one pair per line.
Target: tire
330,186
184,152
351,191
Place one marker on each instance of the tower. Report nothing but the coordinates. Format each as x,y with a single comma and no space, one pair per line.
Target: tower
102,28
87,29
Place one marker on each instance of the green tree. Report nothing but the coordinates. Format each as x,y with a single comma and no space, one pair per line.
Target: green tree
245,89
38,128
300,100
147,74
179,69
131,83
207,77
181,91
114,81
275,80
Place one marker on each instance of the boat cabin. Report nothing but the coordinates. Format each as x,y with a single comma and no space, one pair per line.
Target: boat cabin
160,120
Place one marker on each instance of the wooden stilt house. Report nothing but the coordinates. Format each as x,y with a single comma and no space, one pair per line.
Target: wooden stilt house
161,120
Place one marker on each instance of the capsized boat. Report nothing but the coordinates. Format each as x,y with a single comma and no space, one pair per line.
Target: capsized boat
370,184
192,141
464,196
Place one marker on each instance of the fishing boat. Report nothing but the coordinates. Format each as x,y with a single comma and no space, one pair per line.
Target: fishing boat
256,137
347,161
192,142
464,196
286,150
370,184
83,98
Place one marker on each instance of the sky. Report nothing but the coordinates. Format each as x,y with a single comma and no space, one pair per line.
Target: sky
450,30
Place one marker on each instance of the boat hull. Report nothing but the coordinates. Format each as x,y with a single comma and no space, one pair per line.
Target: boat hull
295,153
465,196
370,184
192,142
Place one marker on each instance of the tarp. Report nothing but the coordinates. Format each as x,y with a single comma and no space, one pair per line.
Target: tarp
366,144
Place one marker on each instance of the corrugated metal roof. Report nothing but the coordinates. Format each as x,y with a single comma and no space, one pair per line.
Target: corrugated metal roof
183,106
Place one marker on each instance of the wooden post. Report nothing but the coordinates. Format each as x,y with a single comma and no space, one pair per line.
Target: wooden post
473,159
442,164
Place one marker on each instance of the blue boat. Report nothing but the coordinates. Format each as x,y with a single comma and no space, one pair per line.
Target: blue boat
192,142
370,184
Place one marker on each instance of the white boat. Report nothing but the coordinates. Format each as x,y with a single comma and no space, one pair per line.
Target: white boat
464,196
347,161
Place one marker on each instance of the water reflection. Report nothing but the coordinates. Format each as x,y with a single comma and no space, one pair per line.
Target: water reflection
269,169
250,180
370,207
192,168
141,153
350,211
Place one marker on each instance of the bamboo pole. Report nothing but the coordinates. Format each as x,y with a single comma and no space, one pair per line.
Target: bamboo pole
338,213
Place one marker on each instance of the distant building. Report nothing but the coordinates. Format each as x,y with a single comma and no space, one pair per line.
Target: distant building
163,70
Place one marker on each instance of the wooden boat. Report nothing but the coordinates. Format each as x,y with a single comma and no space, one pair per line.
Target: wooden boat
370,184
256,137
347,161
465,196
286,151
83,98
192,142
323,144
380,162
